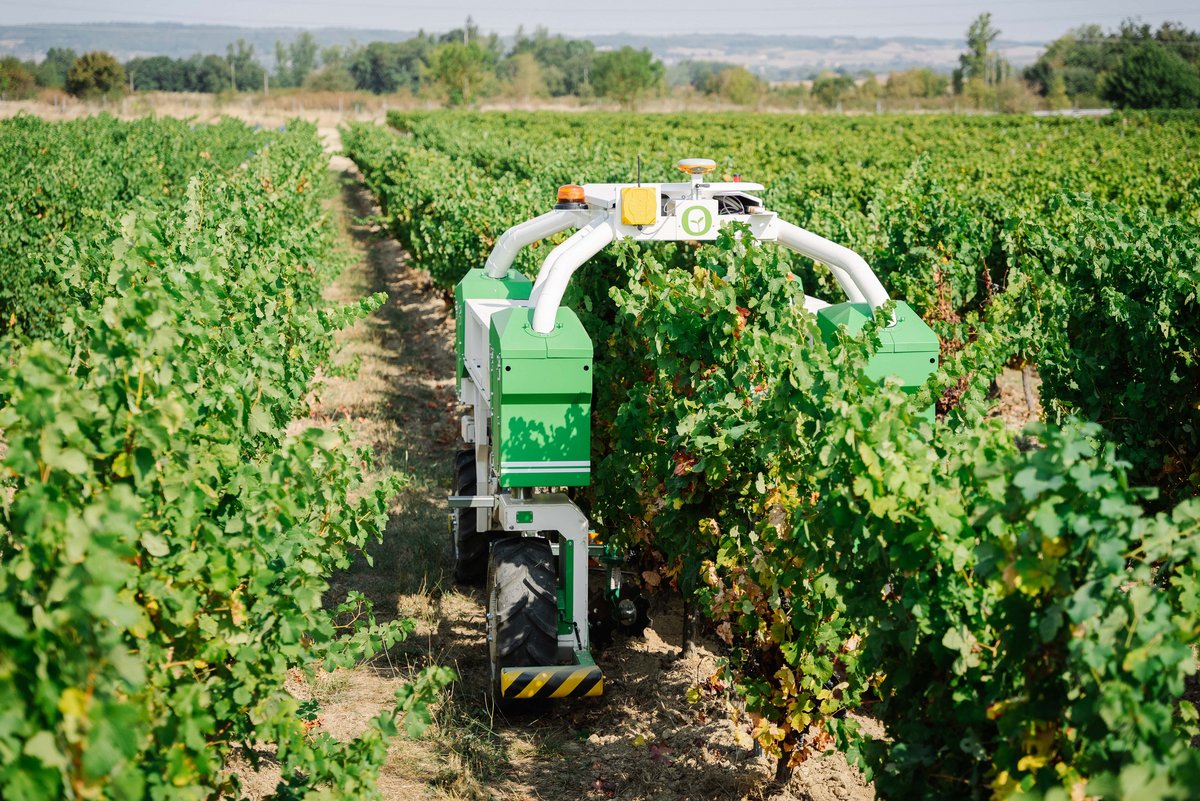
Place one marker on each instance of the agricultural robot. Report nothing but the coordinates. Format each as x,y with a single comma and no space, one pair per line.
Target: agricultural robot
524,371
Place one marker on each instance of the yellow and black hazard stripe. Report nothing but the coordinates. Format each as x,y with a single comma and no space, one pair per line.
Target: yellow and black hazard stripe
568,681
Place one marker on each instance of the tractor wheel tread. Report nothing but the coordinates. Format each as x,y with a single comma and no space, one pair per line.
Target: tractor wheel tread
470,566
525,601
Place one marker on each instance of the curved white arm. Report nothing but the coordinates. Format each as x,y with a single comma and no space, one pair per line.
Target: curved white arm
560,265
511,241
850,269
553,257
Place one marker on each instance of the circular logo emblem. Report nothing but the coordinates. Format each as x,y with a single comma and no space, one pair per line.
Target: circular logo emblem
696,220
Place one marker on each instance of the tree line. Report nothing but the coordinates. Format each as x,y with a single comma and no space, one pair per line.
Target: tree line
458,67
1132,67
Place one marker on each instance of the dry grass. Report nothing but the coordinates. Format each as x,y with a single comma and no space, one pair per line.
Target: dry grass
327,109
330,109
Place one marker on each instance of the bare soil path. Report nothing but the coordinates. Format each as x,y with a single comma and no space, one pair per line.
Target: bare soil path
642,740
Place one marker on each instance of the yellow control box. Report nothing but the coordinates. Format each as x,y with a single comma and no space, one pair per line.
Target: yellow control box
639,205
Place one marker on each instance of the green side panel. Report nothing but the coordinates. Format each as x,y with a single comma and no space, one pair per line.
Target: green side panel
908,350
541,401
477,286
913,368
566,605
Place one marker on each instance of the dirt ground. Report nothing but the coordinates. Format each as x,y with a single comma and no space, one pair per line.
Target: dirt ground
1017,401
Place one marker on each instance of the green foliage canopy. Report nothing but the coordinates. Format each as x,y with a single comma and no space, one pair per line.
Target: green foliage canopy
52,72
95,75
1149,75
16,82
460,70
385,67
565,63
830,88
626,74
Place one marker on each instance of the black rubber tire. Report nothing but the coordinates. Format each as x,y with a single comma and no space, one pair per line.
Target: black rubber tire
602,616
523,603
469,546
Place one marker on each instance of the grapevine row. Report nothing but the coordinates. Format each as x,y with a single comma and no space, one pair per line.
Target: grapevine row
1021,621
66,181
951,234
165,543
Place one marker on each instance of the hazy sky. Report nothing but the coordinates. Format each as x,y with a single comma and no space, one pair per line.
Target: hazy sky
1030,20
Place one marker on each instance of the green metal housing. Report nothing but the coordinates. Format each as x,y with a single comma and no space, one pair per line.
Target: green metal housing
908,350
541,388
477,286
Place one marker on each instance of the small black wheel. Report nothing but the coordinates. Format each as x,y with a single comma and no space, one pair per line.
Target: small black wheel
469,544
632,612
630,615
522,605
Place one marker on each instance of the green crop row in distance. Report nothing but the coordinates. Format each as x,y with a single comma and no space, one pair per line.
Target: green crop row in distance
64,181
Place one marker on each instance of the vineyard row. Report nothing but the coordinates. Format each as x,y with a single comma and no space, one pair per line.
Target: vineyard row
1021,619
165,544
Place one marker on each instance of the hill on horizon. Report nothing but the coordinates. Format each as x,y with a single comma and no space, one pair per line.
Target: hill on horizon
782,57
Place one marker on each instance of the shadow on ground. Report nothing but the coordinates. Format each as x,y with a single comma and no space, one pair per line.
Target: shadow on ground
401,404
